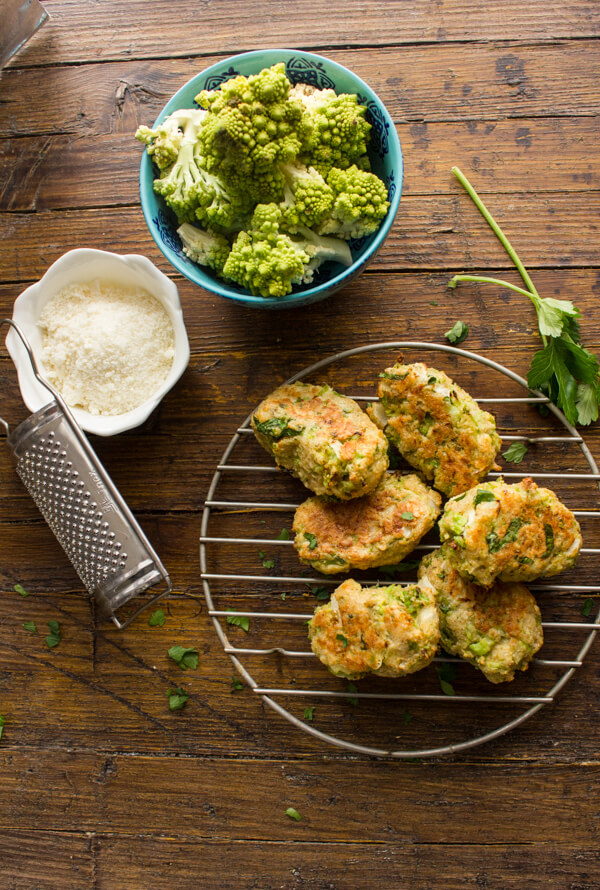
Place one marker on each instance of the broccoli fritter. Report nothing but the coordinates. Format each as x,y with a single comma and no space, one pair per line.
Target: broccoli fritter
498,630
437,427
388,631
378,529
323,438
509,532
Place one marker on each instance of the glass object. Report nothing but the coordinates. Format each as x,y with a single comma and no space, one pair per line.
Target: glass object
20,20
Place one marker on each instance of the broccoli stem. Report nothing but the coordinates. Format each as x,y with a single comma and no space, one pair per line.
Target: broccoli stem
531,292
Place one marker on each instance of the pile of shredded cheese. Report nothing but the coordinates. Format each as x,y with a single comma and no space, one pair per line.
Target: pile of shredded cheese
106,348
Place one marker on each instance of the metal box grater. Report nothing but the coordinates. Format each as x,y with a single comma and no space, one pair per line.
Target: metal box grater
82,506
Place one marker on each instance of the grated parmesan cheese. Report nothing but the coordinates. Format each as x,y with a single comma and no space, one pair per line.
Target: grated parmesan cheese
106,348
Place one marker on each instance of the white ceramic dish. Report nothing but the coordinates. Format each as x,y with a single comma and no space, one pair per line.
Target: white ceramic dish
85,264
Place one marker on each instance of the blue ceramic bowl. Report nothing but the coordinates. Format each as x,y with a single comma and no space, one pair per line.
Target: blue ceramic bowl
384,152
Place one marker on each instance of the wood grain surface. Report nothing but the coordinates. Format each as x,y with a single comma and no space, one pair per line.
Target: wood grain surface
102,786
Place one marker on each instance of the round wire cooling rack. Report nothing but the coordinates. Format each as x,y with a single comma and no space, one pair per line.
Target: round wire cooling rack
244,508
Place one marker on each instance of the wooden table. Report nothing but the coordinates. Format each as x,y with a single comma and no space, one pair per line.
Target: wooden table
101,785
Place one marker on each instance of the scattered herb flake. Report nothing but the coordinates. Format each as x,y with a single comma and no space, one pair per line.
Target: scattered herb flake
21,590
293,814
515,453
30,626
55,636
283,535
457,333
405,566
283,595
185,658
482,495
343,640
321,593
309,713
242,621
351,687
177,698
433,302
266,563
447,674
406,717
312,541
407,515
236,683
586,609
157,619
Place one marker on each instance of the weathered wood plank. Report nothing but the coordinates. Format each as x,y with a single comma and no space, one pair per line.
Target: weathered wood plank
184,797
79,32
46,860
509,156
417,83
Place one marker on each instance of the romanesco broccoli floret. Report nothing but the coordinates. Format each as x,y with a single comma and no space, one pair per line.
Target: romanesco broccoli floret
339,131
251,124
164,141
359,205
204,246
269,262
308,199
218,205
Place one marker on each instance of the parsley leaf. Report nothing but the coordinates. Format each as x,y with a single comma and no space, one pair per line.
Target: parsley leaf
185,658
406,717
321,593
407,515
309,713
586,609
276,428
236,683
21,590
266,563
447,674
343,640
312,540
283,535
177,698
515,453
242,621
157,619
482,495
30,626
2,722
54,637
405,566
563,370
293,814
457,333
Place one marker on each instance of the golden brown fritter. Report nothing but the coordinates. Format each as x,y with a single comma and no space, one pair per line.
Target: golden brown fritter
389,631
436,426
509,532
378,529
496,629
323,438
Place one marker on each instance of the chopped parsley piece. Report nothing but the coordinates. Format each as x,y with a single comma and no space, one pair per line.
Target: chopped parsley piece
309,714
482,495
447,674
312,541
185,658
276,428
321,593
177,698
515,453
236,684
495,543
2,722
242,621
283,595
406,717
407,515
21,590
588,605
457,333
157,619
30,626
54,637
433,303
405,566
293,814
352,699
266,563
549,533
283,535
343,640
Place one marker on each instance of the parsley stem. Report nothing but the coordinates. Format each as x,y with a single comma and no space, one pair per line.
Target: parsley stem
499,281
496,228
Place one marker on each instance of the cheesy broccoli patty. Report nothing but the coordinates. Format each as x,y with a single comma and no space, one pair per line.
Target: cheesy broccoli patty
323,438
437,427
509,532
388,631
378,529
498,630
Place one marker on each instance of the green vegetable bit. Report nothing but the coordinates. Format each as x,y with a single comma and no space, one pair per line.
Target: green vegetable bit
2,723
236,684
515,453
447,674
312,541
283,535
293,814
157,619
177,698
343,640
407,515
55,636
496,543
242,621
457,333
309,714
21,590
588,605
321,593
563,370
483,495
186,658
30,626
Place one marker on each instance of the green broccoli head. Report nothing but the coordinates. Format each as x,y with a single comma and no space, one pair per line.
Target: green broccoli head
339,131
308,200
360,203
251,124
205,247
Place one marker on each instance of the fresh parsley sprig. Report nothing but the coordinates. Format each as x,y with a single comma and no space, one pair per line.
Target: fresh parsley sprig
563,370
